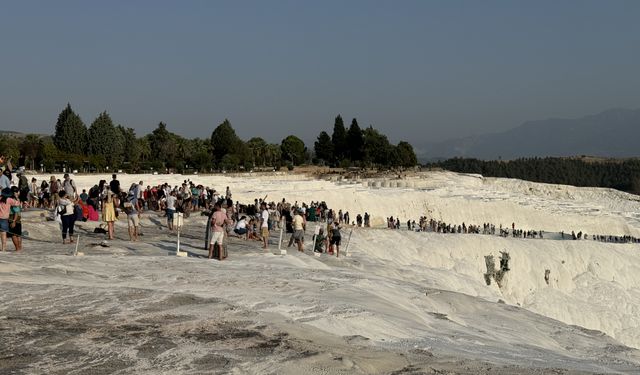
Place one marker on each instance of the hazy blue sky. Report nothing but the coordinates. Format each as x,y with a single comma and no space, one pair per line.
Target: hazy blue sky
417,70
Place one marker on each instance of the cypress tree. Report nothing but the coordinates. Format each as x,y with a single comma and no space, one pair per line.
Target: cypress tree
71,133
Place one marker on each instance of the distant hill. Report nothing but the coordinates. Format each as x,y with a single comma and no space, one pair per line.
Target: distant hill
612,133
15,134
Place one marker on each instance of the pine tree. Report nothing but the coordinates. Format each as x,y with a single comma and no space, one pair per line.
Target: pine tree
163,146
355,141
224,141
406,155
71,133
105,140
339,139
293,150
323,147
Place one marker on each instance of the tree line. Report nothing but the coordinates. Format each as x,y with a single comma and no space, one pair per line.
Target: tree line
622,175
105,146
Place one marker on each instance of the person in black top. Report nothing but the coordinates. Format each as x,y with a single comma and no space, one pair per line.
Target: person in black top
114,185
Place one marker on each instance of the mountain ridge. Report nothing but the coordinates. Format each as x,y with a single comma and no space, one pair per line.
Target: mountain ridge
610,133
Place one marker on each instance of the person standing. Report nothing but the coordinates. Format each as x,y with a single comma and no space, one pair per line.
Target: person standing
298,229
132,209
5,179
335,238
23,187
264,225
15,223
34,194
70,187
66,210
7,201
53,190
171,208
114,185
109,205
218,220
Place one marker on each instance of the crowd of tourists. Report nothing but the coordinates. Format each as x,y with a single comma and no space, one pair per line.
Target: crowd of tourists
108,202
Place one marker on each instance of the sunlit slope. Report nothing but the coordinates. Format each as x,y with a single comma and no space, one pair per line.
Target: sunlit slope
591,284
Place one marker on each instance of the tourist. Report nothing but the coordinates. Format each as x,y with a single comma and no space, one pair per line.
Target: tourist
34,193
320,241
23,187
298,229
264,224
5,179
241,227
170,208
218,221
7,200
15,222
114,185
66,211
109,204
70,187
335,239
132,209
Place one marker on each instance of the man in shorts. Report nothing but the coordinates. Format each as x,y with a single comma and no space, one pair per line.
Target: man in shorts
335,238
264,225
218,220
133,216
298,229
171,208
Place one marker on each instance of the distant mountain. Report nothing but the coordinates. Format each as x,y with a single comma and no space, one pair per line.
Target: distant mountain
612,133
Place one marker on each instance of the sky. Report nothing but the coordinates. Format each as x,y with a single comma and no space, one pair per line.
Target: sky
421,71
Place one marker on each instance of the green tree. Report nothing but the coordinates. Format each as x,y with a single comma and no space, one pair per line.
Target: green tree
70,133
49,154
376,149
258,149
339,139
355,141
9,148
132,152
323,147
145,149
293,149
30,149
274,155
407,158
105,139
225,141
162,143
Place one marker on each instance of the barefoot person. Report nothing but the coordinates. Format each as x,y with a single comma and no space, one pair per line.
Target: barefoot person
15,224
6,202
264,225
109,205
218,220
65,209
132,209
298,229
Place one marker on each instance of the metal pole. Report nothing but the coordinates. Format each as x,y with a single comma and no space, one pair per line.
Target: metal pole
282,224
75,253
346,247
